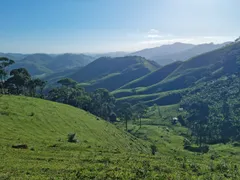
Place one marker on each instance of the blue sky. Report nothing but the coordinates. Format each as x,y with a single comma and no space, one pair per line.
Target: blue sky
58,26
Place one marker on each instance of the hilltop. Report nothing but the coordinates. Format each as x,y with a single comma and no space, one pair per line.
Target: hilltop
112,73
167,54
205,67
167,49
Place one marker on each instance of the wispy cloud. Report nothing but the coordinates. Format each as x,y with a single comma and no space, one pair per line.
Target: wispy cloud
166,41
154,38
153,31
156,34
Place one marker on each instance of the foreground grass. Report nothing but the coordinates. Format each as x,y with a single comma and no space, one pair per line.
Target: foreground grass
103,151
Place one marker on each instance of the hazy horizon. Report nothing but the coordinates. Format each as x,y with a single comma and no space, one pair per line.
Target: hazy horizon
109,52
102,26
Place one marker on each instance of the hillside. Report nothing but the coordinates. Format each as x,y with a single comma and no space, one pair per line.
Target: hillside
215,105
110,54
69,61
205,67
153,77
167,54
187,54
112,73
45,64
151,53
43,126
103,151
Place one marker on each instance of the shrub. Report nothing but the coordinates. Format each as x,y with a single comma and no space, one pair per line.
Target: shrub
236,144
202,149
153,149
71,138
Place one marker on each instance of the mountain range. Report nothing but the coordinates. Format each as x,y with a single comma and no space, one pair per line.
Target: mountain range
166,54
131,75
45,64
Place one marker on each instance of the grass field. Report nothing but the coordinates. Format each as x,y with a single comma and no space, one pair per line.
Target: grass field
104,151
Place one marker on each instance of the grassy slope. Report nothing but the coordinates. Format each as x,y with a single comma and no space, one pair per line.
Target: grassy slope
43,120
153,77
41,124
104,151
221,162
162,98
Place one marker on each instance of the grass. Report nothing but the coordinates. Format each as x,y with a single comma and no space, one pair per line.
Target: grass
103,151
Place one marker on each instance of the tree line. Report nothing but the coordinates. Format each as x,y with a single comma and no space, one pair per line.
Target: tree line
213,111
99,102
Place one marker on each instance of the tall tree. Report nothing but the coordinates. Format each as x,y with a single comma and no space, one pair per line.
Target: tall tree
140,109
4,63
125,113
19,81
102,103
33,84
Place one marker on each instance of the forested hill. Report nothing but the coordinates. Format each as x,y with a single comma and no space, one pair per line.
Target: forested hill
112,73
205,67
213,110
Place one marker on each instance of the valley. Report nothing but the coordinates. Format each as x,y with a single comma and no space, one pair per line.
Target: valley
121,118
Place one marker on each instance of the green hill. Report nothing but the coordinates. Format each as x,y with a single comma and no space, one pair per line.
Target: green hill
187,54
205,67
45,64
208,66
112,73
43,126
103,151
69,61
153,77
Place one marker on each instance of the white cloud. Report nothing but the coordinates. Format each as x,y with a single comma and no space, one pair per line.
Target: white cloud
154,36
153,31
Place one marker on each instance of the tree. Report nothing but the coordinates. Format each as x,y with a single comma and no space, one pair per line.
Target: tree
103,103
67,92
19,81
4,63
113,117
140,109
33,84
125,112
59,94
67,82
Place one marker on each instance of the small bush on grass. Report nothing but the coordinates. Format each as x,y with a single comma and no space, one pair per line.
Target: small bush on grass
72,138
153,149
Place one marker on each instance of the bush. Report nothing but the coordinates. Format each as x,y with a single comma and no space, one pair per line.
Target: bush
202,149
71,138
153,149
236,144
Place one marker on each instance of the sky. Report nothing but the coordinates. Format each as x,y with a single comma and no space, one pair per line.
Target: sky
97,26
